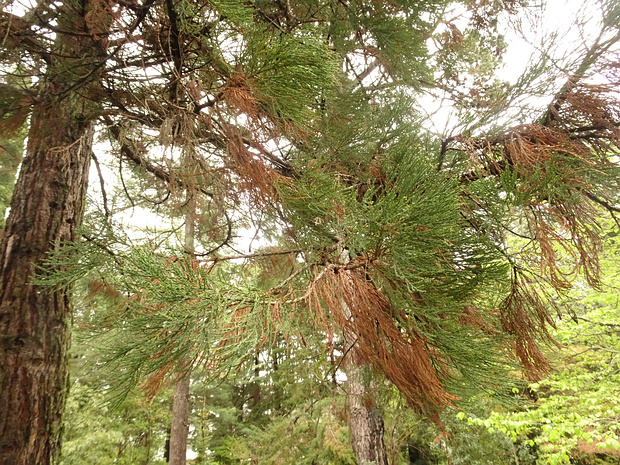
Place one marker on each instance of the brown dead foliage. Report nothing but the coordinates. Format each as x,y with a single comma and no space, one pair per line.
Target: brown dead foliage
401,352
554,161
525,315
255,177
566,226
238,94
153,383
100,15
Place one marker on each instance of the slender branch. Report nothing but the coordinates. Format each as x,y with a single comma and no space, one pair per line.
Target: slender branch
600,201
605,204
251,255
120,172
138,160
600,323
102,183
228,238
287,280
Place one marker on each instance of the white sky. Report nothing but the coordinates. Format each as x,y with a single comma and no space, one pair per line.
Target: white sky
549,30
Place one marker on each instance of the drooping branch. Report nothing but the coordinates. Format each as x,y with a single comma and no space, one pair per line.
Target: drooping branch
127,149
20,33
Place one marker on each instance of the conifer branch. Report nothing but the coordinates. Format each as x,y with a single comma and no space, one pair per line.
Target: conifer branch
250,255
292,276
282,166
229,235
122,178
126,149
595,52
602,202
104,196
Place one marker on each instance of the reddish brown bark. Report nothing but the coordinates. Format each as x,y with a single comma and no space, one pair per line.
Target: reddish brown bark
365,420
46,207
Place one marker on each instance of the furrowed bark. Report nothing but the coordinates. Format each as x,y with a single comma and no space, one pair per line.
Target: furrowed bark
46,208
365,420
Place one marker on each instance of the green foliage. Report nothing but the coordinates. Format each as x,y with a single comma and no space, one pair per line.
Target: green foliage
575,412
131,434
405,218
275,409
169,306
284,73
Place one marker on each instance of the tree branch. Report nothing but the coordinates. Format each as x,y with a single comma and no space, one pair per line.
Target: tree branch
20,33
128,152
251,255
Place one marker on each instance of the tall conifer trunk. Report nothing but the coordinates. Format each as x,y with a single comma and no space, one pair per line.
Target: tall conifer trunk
46,209
179,428
365,420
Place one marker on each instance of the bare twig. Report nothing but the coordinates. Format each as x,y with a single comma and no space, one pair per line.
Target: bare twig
250,255
103,192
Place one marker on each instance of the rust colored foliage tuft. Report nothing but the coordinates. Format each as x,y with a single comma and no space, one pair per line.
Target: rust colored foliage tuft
401,353
238,95
255,177
525,316
99,18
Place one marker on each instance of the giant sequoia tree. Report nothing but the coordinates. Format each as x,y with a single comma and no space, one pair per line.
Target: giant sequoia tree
46,208
302,116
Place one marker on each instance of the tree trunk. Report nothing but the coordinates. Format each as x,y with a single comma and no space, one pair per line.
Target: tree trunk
365,419
46,208
180,404
179,428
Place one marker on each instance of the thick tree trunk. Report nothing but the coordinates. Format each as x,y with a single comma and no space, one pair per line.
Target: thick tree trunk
46,208
365,420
